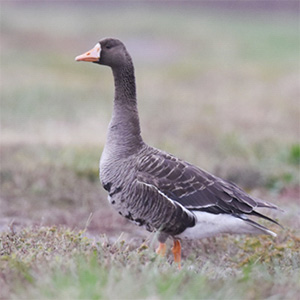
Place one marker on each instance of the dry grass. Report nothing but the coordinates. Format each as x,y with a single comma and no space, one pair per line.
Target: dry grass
82,268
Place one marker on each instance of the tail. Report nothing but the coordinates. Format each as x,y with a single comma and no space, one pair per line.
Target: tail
257,214
261,229
265,204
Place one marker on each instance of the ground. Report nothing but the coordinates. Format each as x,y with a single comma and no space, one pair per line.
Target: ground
218,88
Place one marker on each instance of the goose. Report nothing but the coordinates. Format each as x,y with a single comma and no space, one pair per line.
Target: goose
157,190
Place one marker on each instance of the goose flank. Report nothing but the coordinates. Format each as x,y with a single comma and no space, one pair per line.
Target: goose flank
155,189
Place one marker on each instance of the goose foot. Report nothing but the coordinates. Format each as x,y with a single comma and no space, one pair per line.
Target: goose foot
161,250
177,253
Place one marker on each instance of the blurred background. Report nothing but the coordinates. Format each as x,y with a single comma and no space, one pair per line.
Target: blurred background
218,85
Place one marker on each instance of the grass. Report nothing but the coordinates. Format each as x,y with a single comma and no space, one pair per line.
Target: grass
82,268
228,84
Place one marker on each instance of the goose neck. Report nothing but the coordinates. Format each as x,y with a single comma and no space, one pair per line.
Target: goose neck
125,90
124,131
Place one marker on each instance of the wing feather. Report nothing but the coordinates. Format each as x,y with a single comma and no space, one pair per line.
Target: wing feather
193,187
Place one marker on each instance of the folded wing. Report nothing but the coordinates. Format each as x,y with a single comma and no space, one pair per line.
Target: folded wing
196,189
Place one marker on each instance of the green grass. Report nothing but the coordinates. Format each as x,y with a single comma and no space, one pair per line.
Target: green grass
217,88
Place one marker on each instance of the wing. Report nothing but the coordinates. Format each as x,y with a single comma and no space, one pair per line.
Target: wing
195,188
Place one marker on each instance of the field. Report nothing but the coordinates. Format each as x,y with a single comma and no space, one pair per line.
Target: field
216,87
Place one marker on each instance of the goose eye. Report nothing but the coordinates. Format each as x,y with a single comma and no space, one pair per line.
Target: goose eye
108,46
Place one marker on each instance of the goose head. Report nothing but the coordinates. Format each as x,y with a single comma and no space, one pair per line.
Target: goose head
109,52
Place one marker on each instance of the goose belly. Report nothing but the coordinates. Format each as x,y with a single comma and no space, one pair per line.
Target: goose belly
209,225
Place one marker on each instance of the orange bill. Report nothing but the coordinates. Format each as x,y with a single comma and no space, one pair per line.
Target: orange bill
92,55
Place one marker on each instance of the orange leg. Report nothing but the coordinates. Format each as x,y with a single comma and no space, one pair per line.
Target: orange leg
161,250
177,253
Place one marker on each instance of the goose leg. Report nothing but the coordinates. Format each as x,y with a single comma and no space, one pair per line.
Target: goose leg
177,253
161,250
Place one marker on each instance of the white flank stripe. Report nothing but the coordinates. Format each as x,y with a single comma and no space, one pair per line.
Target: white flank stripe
165,196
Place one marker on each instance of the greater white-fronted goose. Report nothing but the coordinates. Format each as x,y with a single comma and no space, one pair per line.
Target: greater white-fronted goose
155,189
